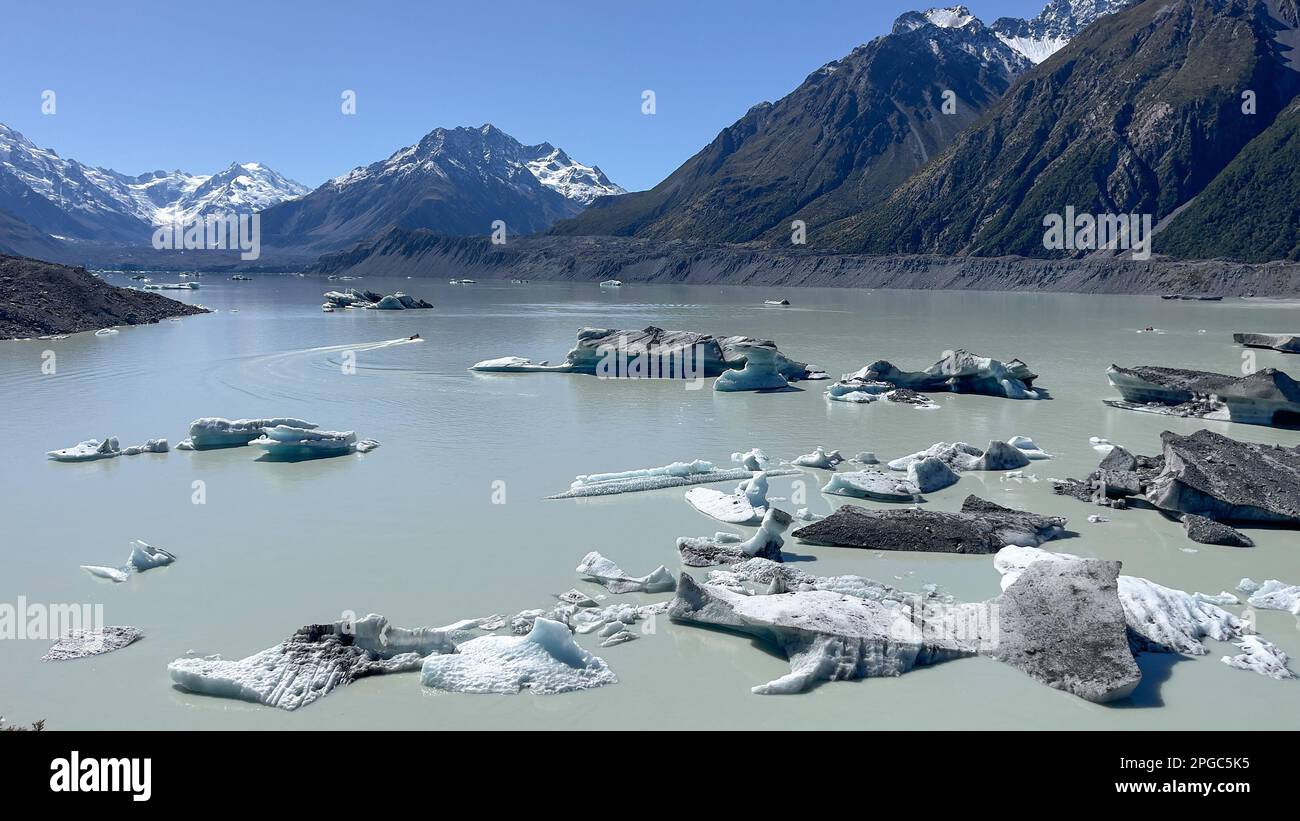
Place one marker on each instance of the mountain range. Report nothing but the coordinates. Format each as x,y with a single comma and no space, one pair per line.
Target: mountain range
457,181
946,137
849,135
67,200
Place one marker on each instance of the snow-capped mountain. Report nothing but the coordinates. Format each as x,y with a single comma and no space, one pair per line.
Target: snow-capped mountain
855,130
455,181
1054,27
65,198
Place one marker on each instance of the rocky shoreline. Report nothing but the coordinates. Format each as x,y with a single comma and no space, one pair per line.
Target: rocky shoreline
43,298
421,253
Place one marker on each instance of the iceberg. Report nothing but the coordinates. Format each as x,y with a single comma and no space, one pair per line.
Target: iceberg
753,459
760,372
88,451
678,474
93,449
745,506
353,298
1160,619
546,661
1276,595
1263,657
285,443
78,644
1266,397
819,458
727,548
960,372
1060,624
961,457
143,557
217,432
315,660
872,484
599,569
931,474
980,527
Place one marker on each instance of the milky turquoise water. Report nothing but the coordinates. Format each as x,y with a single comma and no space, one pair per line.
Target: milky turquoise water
411,530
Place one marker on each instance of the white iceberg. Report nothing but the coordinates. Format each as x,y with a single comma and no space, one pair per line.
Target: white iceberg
1276,595
315,660
727,548
753,459
819,458
761,371
872,484
152,446
287,443
745,506
217,432
599,569
545,661
677,474
143,557
962,457
1026,446
88,451
931,474
1263,657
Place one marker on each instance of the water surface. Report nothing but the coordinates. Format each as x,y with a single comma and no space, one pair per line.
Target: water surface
411,530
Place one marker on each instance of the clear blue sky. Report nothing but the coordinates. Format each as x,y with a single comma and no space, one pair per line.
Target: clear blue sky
146,85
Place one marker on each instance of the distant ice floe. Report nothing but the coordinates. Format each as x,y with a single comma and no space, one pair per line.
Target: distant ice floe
93,449
858,391
143,557
959,372
677,474
317,659
546,661
353,298
746,505
78,644
217,432
603,571
753,459
287,443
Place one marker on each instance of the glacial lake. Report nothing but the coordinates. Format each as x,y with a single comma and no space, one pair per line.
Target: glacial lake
413,531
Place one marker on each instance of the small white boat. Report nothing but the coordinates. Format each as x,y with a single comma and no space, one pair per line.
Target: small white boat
611,283
781,302
327,308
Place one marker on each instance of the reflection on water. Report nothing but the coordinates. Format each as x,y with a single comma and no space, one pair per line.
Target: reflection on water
411,530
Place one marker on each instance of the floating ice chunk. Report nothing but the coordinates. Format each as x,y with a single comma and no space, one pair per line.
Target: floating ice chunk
754,459
518,364
1261,657
315,660
1248,586
152,446
962,457
1026,446
82,643
745,506
287,443
804,515
605,572
545,661
576,598
1275,595
216,432
88,451
1160,619
1096,519
872,484
725,548
819,458
143,557
1102,446
108,331
677,474
931,474
1224,599
760,373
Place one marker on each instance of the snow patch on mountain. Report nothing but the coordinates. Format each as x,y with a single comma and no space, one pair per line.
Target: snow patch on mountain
152,198
1053,29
